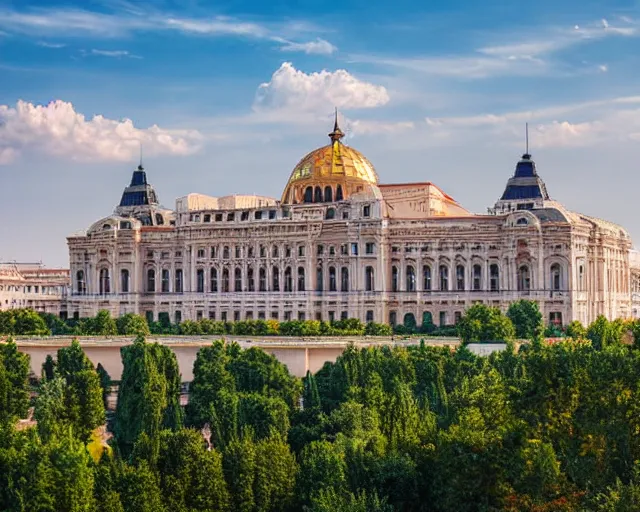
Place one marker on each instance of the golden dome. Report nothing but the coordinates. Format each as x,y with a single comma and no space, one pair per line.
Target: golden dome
337,167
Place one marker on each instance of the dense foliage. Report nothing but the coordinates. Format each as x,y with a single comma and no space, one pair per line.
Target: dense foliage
549,428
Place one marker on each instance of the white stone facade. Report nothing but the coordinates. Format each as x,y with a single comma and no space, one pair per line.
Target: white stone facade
339,244
31,285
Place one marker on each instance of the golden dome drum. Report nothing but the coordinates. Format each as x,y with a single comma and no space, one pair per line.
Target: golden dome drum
331,172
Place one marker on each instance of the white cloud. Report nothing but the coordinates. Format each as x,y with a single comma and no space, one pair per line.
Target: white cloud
217,26
77,22
372,127
45,44
57,129
293,90
114,53
573,125
319,47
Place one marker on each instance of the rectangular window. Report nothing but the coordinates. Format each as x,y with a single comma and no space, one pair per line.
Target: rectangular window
343,249
344,315
149,316
332,316
212,314
287,316
366,210
301,251
244,216
218,217
238,251
354,249
261,315
369,317
178,281
223,316
165,280
213,252
457,317
443,318
272,214
200,253
320,250
207,217
236,316
164,256
178,317
231,217
258,215
199,314
369,248
249,315
274,315
301,316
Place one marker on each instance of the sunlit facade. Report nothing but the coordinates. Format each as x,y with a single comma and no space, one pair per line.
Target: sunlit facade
340,244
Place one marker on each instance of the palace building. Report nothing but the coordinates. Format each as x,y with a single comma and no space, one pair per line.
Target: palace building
339,244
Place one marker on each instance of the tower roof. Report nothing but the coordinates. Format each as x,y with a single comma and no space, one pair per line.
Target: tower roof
525,183
139,192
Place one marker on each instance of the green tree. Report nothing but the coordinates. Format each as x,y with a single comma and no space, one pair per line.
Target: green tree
105,384
14,398
526,318
484,323
132,324
149,394
322,468
576,330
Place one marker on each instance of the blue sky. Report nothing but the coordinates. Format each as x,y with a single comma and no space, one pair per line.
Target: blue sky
227,97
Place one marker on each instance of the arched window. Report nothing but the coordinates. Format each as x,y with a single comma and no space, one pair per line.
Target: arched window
339,193
237,276
409,321
459,277
411,279
426,277
275,277
200,280
124,280
274,251
308,195
319,279
369,284
225,280
524,279
151,281
394,279
556,277
213,280
301,281
494,277
251,286
317,195
178,281
344,279
444,277
288,281
105,281
332,279
328,194
225,252
81,285
165,280
262,279
477,278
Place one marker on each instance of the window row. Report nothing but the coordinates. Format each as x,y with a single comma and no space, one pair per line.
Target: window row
443,281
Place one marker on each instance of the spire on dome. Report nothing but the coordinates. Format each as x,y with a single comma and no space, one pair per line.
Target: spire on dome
337,133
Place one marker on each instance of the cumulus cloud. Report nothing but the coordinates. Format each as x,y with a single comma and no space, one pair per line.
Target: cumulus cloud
57,129
573,125
318,47
291,89
370,127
